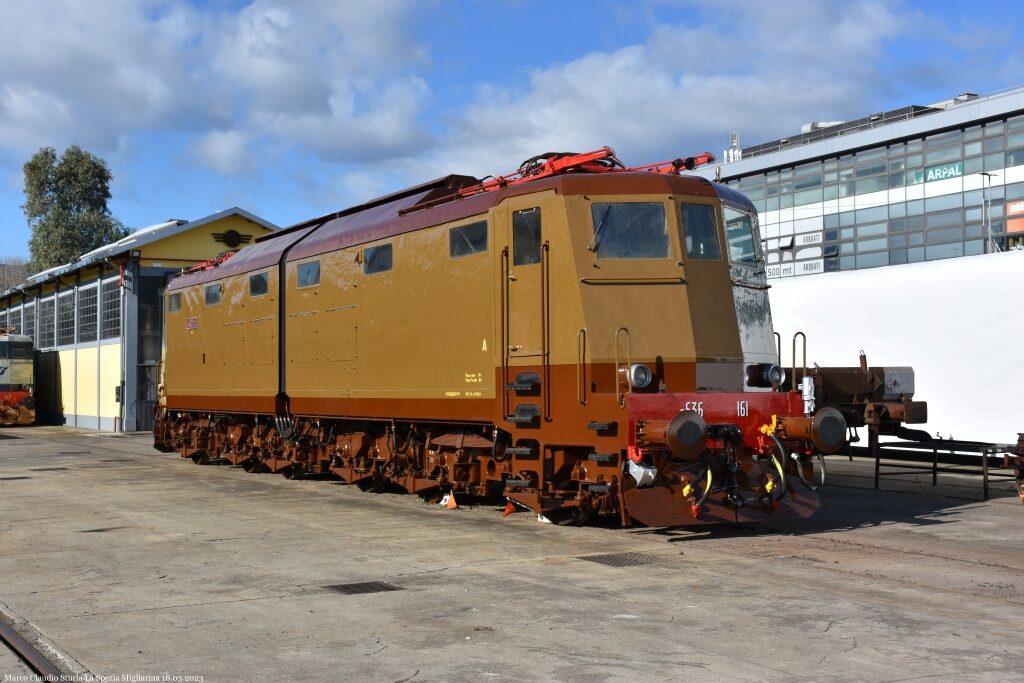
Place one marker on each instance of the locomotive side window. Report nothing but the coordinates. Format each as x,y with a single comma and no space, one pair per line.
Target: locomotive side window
629,230
740,234
309,274
212,294
174,302
467,239
377,259
259,284
526,236
700,232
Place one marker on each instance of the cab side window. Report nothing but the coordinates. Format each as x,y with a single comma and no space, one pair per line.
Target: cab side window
739,231
174,302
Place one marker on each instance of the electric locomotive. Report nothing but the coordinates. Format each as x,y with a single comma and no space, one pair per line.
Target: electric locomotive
17,404
577,337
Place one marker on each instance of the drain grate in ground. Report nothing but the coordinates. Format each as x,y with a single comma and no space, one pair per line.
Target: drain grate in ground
46,469
365,587
621,559
13,478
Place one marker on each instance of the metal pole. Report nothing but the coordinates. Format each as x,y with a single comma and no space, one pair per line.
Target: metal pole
986,219
984,472
873,449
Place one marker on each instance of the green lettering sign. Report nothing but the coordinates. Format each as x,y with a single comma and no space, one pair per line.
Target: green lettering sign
942,172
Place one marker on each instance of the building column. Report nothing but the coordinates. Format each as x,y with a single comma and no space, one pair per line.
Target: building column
130,341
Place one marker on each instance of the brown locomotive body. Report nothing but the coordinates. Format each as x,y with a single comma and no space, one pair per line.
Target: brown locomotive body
581,343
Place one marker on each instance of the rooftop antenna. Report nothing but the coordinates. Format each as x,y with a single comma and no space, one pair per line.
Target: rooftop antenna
733,153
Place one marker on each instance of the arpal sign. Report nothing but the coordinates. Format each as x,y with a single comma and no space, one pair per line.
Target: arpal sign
940,172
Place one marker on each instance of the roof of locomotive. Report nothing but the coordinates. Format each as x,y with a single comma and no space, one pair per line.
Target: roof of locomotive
14,337
419,207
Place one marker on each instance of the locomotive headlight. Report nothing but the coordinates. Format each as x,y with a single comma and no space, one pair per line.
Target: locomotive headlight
765,375
640,376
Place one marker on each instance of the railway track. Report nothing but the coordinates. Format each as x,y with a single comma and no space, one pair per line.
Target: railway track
33,659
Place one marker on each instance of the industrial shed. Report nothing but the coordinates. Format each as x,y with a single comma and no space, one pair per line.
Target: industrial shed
97,323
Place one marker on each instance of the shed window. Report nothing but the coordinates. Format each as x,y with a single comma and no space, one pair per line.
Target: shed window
377,259
174,302
66,319
700,232
259,284
29,326
47,322
212,294
467,239
526,236
110,305
309,274
629,230
87,314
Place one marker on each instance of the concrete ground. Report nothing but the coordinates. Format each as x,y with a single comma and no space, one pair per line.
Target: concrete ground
122,561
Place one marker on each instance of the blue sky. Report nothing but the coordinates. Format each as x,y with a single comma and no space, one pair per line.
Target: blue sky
292,109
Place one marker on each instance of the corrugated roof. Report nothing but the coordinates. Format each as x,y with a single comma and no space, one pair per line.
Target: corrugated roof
136,240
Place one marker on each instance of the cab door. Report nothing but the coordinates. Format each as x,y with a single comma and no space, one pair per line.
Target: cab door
524,275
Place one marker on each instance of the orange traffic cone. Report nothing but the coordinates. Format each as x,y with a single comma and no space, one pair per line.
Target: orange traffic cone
509,509
451,501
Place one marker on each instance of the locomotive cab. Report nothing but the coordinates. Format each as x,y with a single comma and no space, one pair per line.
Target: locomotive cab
17,404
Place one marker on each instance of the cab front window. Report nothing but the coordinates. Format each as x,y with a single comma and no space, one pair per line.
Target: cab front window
629,230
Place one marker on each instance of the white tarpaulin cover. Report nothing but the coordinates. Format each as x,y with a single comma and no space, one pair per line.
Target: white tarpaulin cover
958,322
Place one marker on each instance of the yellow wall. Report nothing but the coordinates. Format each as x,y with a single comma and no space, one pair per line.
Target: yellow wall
110,377
198,243
67,380
86,384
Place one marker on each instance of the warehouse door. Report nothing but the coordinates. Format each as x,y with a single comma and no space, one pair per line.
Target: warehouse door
151,328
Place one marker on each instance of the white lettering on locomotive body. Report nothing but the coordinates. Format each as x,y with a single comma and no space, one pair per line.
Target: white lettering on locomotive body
695,406
742,408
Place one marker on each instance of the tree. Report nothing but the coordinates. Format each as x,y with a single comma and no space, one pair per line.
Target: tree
13,271
66,206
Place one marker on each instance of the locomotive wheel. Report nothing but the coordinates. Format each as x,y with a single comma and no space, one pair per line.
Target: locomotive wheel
570,516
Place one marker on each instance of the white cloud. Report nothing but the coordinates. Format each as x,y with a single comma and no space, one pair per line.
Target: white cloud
95,72
763,69
226,152
334,78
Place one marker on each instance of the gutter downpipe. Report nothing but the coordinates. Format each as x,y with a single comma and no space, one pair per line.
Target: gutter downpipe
281,402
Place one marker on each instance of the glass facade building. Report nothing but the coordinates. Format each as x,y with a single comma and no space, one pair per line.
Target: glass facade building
915,184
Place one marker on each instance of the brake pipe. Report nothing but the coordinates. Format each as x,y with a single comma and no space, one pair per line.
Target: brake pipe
688,489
